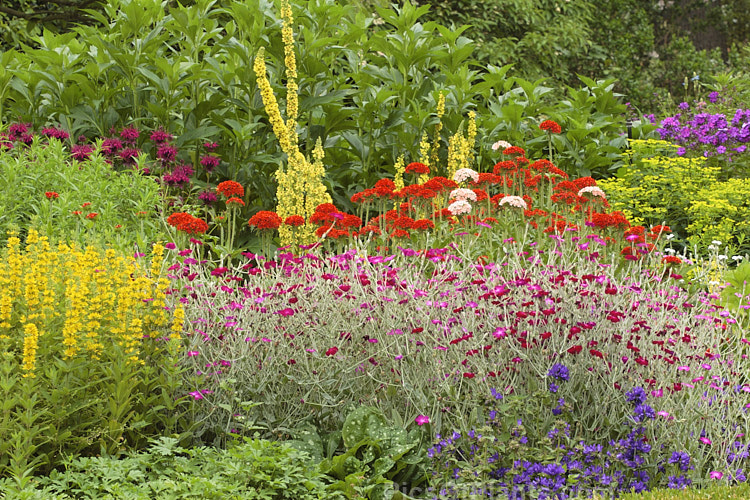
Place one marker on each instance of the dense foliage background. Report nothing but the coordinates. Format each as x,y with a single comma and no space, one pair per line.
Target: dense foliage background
649,46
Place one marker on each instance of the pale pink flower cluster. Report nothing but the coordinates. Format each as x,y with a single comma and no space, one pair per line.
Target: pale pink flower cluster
595,191
463,174
460,207
501,145
462,194
513,201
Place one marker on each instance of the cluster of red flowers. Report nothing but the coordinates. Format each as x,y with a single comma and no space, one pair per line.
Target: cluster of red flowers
550,126
264,219
187,223
417,168
230,189
51,195
294,221
332,223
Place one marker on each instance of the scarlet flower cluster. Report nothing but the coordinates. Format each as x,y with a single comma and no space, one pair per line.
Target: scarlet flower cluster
230,188
264,219
417,168
187,223
550,126
294,221
51,195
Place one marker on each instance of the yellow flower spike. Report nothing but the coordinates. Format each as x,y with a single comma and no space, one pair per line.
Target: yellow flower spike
290,62
424,150
471,137
435,155
398,179
300,187
270,103
30,346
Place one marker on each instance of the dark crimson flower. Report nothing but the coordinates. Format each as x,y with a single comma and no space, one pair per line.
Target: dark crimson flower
469,375
550,126
111,146
332,351
129,155
210,146
576,349
230,188
597,354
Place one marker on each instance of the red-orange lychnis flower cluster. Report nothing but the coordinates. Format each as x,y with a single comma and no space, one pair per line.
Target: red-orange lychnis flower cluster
230,189
186,223
265,220
550,126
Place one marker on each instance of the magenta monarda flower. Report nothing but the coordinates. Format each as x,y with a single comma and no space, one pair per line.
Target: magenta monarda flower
160,136
210,162
82,152
167,153
130,134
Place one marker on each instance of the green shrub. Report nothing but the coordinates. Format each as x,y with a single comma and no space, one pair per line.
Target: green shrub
254,469
73,201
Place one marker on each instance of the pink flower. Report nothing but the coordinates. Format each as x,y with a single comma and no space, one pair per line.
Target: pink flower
716,474
286,312
192,353
422,419
332,351
704,440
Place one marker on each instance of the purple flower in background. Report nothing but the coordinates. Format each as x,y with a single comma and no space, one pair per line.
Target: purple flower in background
210,162
559,372
681,151
207,197
684,106
636,395
713,97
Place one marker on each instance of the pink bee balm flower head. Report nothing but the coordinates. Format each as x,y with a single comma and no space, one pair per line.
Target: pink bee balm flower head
422,419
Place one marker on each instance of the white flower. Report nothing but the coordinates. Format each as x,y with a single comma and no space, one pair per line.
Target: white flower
465,173
716,242
501,145
463,194
737,258
459,207
594,190
513,201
